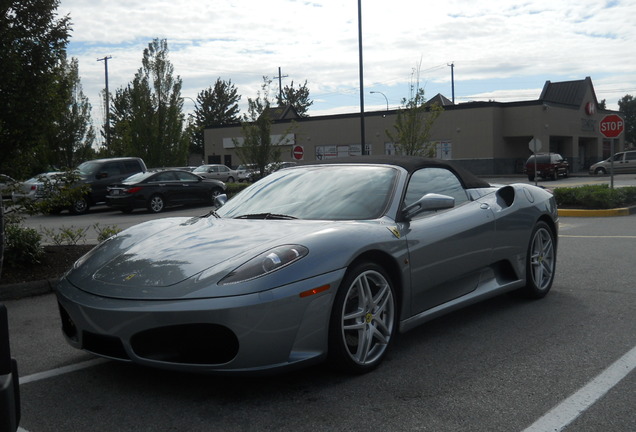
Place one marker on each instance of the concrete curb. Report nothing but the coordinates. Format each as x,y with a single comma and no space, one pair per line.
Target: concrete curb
26,289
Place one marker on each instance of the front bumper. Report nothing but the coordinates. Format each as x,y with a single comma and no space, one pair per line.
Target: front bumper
249,333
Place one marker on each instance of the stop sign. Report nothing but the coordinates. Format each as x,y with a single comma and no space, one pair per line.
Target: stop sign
611,126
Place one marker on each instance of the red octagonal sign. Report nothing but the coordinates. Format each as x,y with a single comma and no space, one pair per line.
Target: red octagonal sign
611,126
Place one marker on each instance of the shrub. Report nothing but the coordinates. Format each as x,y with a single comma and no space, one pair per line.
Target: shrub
66,235
234,188
23,246
105,232
595,197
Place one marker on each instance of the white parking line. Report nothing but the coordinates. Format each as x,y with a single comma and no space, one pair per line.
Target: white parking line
61,370
559,417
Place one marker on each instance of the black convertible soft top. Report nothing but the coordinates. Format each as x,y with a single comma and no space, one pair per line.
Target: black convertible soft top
412,164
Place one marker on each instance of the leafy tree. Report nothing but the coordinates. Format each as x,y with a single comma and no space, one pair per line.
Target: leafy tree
215,106
414,122
298,98
72,134
147,119
257,146
33,42
627,106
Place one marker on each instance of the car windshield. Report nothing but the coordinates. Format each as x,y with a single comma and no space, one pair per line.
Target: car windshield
202,168
88,168
323,192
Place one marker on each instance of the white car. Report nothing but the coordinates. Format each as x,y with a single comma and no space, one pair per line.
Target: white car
217,172
247,172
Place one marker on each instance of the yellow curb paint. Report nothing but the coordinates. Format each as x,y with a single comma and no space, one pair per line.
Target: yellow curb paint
594,213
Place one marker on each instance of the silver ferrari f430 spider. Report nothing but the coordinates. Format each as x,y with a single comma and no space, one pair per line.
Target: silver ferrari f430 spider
323,261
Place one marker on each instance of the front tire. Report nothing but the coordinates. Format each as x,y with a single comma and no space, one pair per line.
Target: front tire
540,262
215,193
363,319
156,204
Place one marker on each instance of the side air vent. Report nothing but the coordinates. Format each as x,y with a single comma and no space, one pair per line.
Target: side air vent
507,195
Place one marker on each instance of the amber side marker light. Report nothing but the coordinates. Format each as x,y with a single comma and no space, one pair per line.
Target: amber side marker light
314,291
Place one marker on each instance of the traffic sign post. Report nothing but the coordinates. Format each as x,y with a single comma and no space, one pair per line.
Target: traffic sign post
535,145
611,126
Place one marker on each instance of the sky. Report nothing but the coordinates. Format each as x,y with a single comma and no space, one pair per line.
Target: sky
502,50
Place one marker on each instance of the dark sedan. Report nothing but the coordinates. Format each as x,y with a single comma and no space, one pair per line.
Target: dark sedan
158,190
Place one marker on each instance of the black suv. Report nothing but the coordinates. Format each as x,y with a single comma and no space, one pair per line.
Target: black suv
99,173
548,165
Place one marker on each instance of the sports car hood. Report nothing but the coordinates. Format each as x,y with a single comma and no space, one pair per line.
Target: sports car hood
142,261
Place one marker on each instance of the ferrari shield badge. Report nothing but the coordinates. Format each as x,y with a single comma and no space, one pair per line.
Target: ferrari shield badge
395,231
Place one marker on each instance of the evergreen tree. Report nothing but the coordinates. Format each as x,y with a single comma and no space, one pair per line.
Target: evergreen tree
72,134
627,106
215,106
33,42
147,118
297,98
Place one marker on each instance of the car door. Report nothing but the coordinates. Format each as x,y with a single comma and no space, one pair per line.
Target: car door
447,248
166,184
191,189
627,164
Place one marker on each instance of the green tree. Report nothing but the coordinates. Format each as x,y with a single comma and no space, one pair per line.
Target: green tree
147,118
73,134
257,146
297,98
215,106
414,122
627,106
33,42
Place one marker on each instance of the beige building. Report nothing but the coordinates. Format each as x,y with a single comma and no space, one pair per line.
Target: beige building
485,137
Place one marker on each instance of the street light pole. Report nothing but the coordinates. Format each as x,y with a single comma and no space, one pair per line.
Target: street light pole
362,137
385,98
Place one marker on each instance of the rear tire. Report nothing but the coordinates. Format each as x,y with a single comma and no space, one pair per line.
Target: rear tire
363,319
156,204
540,262
79,206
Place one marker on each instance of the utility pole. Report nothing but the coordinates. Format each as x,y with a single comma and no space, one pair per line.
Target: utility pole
280,84
452,66
105,60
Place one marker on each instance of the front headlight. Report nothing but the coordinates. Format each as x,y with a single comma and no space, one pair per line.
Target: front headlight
265,263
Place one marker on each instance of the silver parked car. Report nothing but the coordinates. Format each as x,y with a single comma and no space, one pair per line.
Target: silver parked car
37,187
217,172
624,163
314,262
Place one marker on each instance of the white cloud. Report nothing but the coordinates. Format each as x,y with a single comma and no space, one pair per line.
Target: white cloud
500,50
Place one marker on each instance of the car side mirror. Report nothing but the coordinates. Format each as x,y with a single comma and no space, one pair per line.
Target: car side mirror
220,200
101,175
428,202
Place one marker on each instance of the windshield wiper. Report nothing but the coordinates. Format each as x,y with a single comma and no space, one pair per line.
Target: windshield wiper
211,213
266,216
